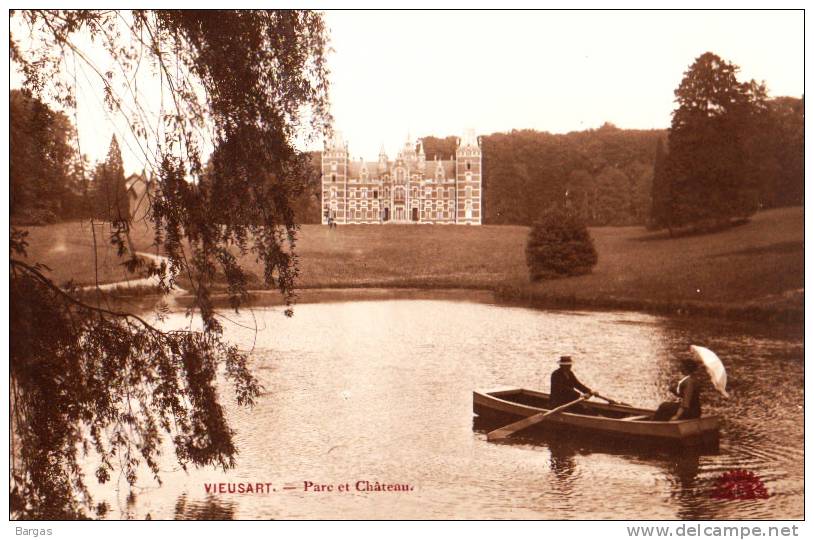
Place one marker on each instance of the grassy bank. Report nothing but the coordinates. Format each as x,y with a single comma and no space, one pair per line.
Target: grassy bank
753,270
68,250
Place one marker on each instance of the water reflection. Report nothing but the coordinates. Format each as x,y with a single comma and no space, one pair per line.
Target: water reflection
208,509
561,460
381,390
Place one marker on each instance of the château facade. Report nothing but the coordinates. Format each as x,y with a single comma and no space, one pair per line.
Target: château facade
408,189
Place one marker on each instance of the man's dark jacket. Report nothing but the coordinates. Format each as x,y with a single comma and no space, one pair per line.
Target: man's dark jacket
564,386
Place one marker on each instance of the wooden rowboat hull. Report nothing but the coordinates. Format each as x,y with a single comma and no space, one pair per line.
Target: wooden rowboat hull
507,405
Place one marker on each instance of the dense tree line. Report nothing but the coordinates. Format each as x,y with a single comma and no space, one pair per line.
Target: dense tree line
602,175
49,182
42,172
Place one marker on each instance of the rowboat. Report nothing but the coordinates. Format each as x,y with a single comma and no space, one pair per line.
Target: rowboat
506,405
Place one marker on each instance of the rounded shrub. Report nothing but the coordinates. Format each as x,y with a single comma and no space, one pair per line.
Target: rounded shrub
559,245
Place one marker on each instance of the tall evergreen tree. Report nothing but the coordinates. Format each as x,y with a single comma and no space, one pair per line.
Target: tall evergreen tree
708,162
110,192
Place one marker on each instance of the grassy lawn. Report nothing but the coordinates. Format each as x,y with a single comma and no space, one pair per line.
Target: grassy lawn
67,249
760,261
419,255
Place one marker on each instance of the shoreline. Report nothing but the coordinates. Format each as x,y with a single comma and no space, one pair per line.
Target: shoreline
752,272
784,314
787,313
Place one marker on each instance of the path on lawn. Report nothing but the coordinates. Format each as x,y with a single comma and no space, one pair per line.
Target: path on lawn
151,281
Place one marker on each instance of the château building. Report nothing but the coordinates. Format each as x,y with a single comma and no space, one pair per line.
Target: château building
407,189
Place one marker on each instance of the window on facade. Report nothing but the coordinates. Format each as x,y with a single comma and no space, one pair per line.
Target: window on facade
375,194
468,191
468,166
468,177
451,193
364,193
439,193
333,178
333,166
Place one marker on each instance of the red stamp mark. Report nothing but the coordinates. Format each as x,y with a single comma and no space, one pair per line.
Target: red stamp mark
739,485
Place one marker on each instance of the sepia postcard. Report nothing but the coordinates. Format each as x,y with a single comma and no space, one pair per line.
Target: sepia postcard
426,265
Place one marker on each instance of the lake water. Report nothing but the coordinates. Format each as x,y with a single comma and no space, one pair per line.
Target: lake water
381,391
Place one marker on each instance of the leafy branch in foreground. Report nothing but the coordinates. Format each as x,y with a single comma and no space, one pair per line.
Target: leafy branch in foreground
111,380
88,378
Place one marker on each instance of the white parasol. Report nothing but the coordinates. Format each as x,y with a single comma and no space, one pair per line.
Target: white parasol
715,367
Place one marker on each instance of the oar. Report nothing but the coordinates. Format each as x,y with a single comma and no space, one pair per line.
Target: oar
505,431
613,401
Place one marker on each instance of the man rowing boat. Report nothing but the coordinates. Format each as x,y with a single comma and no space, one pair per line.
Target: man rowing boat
565,387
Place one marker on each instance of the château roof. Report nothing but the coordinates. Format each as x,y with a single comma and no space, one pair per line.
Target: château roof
355,169
373,169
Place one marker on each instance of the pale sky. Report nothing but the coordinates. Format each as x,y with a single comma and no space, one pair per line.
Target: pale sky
438,73
441,72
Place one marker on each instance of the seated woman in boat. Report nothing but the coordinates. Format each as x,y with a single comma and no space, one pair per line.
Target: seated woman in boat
688,391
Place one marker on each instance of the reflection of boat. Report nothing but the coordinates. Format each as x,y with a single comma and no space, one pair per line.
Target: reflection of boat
597,419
